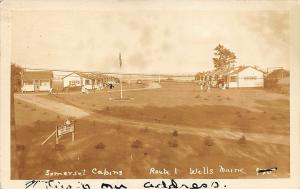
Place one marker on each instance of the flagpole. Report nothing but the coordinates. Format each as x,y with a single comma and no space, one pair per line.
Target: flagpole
120,59
121,88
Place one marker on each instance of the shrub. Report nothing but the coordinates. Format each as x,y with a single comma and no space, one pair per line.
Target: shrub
175,133
242,140
100,146
20,147
209,141
136,144
173,143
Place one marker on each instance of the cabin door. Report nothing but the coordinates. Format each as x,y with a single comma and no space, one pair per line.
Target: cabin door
36,85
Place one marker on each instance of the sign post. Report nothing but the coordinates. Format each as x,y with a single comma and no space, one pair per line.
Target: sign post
68,127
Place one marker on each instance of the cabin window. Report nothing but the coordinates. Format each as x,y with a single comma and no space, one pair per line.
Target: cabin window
87,82
250,78
233,79
28,82
73,83
44,82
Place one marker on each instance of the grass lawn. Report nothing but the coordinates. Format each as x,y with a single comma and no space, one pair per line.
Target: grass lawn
113,146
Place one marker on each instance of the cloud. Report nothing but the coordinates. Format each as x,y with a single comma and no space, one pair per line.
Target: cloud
150,41
273,26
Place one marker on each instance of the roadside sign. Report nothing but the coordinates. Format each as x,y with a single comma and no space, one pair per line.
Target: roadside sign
66,128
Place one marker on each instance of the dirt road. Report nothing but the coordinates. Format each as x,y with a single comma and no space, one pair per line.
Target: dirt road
61,108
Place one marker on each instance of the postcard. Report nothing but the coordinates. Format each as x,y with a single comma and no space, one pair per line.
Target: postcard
149,94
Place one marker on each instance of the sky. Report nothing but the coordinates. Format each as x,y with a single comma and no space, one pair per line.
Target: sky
150,41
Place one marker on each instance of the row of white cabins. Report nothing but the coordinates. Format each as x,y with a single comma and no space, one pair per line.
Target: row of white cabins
237,77
34,81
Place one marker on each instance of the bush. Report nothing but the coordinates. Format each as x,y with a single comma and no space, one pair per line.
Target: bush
209,141
20,147
175,133
136,144
173,143
242,140
100,146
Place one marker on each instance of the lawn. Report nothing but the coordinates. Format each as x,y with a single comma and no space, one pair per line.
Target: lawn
104,141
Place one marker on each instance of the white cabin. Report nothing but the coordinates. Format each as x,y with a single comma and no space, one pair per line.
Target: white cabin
246,77
35,81
72,80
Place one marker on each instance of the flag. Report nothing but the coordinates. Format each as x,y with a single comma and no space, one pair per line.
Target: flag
120,60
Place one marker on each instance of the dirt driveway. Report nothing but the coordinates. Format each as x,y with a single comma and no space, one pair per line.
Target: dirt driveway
61,108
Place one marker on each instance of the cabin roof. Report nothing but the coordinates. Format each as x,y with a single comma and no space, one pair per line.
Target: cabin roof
38,75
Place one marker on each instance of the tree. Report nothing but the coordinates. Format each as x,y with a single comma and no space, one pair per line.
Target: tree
16,71
15,81
223,57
